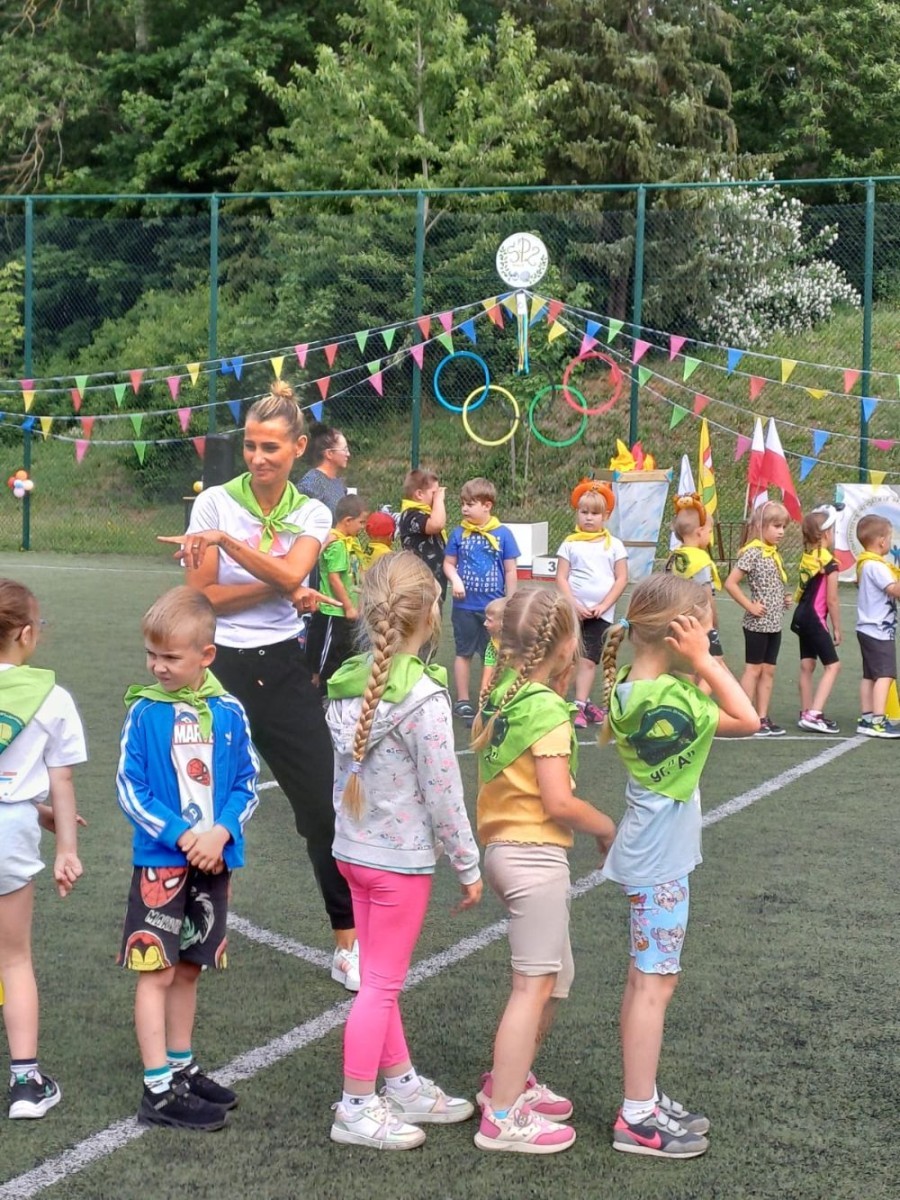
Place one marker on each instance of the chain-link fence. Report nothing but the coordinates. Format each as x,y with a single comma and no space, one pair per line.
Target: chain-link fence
134,332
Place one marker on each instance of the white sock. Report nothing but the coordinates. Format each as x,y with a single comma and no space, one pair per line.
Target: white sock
636,1112
355,1104
403,1085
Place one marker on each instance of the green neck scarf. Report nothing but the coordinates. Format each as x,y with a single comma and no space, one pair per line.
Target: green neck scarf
22,692
196,699
533,712
404,673
274,521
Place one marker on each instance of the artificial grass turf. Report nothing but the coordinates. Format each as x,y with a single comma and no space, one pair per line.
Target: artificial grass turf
779,1031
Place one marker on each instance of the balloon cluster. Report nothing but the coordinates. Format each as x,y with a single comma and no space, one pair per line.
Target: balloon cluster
20,484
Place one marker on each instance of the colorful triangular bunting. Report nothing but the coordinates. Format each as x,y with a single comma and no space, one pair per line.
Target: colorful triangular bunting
46,423
387,336
806,465
184,419
787,368
301,350
81,449
376,381
742,445
362,336
277,365
869,404
119,393
676,342
468,328
140,449
700,402
135,377
690,366
323,385
234,407
331,353
193,369
757,383
174,382
640,349
644,373
734,358
819,438
446,341
850,378
137,420
199,445
877,478
615,328
679,412
557,329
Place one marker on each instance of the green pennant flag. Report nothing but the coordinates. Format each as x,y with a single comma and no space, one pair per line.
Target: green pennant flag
615,328
374,366
137,420
644,373
690,366
446,341
388,336
678,415
119,389
140,449
361,338
81,383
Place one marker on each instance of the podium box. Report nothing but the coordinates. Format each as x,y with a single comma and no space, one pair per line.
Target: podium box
531,538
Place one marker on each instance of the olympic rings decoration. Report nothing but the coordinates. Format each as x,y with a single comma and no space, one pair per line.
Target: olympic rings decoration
437,374
616,378
557,387
491,387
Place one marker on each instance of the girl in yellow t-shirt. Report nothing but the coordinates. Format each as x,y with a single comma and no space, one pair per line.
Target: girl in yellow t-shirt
526,751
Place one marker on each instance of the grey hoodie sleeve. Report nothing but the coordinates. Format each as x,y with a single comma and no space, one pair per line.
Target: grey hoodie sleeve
428,735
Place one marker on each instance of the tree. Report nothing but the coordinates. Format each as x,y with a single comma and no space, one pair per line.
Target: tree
816,85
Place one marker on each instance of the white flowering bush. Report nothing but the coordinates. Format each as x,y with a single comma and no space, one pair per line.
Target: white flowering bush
764,278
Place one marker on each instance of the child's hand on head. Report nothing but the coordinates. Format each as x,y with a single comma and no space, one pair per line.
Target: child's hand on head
66,870
688,638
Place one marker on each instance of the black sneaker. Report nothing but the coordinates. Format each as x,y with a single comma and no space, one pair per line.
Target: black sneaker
30,1099
207,1089
179,1108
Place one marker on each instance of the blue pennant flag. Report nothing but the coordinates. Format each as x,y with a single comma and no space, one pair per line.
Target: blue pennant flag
235,408
868,406
317,409
593,329
28,423
237,365
820,437
734,357
468,328
541,312
225,367
806,465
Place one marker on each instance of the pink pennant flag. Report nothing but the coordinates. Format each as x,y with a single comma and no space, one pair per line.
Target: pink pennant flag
301,352
554,308
883,443
87,427
375,381
174,382
640,349
418,353
741,447
331,353
184,418
850,377
76,399
700,402
446,319
81,448
322,384
757,383
587,345
424,324
676,341
199,445
136,377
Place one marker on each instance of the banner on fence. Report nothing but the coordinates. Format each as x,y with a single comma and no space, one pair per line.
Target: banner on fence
862,500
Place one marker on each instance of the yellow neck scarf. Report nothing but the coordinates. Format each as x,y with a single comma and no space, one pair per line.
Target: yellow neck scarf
812,563
768,551
419,506
868,556
484,530
602,535
692,560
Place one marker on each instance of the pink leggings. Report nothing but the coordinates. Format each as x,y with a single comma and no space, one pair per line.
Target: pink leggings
389,910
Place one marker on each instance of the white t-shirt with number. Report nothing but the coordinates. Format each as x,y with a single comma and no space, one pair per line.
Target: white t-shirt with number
876,611
592,570
273,620
54,737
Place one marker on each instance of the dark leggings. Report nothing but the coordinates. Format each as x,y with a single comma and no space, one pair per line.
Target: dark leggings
289,731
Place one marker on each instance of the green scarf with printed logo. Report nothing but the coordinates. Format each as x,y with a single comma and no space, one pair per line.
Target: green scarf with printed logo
664,732
405,671
272,522
534,711
196,699
22,692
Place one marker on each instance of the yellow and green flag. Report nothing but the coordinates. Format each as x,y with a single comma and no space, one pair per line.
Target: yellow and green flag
705,474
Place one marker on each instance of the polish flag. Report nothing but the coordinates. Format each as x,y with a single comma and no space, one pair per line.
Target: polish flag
756,480
777,472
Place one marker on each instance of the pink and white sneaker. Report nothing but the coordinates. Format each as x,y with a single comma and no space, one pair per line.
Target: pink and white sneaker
522,1131
537,1096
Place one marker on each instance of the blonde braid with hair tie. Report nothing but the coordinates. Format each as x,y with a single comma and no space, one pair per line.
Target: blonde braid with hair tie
385,639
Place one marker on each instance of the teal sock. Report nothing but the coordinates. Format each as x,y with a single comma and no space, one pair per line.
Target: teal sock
179,1059
158,1079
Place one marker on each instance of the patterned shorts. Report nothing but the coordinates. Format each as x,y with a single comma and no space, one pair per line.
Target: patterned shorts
175,914
658,917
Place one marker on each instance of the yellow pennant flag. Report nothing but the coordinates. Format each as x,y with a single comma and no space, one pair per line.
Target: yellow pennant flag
277,363
877,478
510,305
28,399
787,368
706,477
817,393
46,422
537,303
557,329
194,372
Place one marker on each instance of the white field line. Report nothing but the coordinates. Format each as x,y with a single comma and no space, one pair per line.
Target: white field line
278,941
25,565
245,1066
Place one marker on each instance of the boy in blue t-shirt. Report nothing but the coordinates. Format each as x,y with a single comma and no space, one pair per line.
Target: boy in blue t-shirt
480,562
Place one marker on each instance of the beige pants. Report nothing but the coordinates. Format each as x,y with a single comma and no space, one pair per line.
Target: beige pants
533,883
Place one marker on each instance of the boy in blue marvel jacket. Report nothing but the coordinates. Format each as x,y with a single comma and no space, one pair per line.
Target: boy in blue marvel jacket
187,781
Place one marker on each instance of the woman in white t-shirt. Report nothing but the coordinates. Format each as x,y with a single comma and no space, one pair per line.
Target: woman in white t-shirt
249,548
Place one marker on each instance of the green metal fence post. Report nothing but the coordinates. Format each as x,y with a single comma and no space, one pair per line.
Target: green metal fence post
418,300
869,270
28,322
213,343
637,305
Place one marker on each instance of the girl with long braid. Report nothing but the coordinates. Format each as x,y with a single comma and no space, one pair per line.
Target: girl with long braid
526,749
663,725
398,799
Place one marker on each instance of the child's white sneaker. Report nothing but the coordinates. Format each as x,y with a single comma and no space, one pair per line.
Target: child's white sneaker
522,1131
537,1096
345,967
428,1105
374,1125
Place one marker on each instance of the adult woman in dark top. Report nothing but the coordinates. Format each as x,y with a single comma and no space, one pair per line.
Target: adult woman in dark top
250,546
329,453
